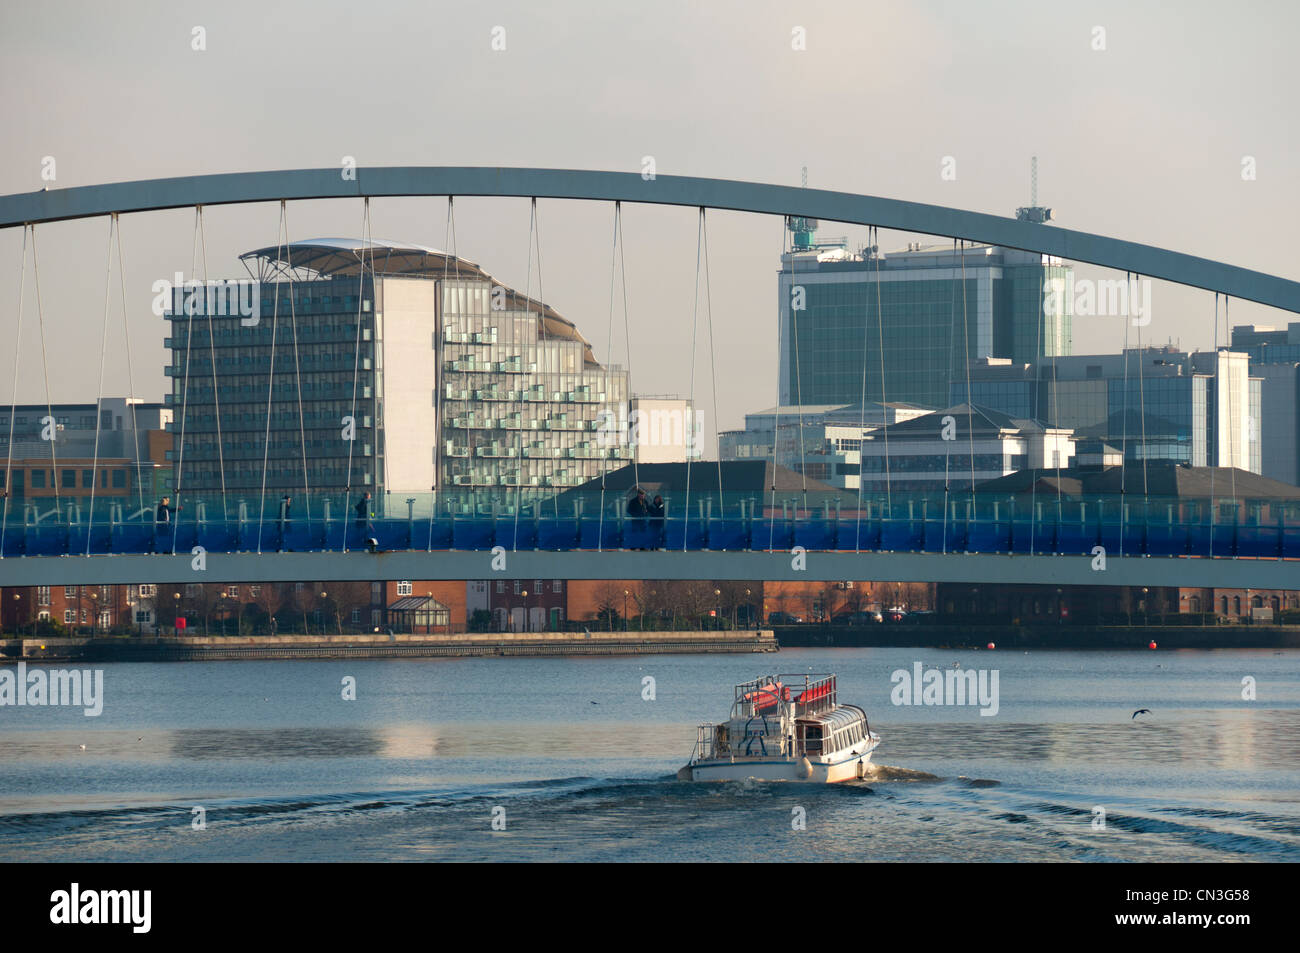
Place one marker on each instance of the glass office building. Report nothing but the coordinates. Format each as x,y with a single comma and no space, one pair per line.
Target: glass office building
1275,359
1159,403
417,371
902,326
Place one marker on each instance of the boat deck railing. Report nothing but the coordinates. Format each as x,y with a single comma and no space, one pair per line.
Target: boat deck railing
817,694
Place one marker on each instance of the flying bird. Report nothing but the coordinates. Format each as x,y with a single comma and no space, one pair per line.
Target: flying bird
1141,711
82,747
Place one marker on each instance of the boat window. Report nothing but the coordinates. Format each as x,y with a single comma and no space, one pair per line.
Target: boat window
813,739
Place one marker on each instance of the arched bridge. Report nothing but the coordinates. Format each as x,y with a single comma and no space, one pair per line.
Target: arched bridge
247,187
1127,541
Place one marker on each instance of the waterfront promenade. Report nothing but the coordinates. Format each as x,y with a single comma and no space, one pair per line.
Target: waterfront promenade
386,646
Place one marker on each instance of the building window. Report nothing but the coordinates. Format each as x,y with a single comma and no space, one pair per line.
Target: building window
557,586
43,616
43,595
69,479
69,616
255,591
356,616
404,587
119,479
518,586
143,616
191,589
146,590
232,591
38,479
501,585
69,592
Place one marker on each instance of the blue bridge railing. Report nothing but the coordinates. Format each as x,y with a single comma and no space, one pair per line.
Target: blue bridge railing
450,520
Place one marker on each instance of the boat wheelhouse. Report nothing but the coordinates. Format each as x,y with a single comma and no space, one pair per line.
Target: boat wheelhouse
784,728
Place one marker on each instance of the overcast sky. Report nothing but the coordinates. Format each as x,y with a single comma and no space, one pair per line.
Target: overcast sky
1143,140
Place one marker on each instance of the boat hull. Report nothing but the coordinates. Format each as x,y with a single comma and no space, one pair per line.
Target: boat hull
844,766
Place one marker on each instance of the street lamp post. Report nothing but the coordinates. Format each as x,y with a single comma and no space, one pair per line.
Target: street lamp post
625,595
717,600
176,611
525,595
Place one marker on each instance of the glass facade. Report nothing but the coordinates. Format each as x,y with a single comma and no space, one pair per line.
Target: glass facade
503,390
519,408
934,316
838,335
253,364
1160,419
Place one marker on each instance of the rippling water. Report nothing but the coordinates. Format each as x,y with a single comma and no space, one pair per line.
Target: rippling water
583,767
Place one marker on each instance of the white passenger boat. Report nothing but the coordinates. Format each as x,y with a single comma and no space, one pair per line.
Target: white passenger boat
785,728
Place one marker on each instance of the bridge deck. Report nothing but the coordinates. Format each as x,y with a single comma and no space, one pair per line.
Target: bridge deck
932,548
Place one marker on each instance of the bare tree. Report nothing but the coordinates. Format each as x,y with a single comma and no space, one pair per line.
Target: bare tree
830,596
609,598
269,597
855,599
344,598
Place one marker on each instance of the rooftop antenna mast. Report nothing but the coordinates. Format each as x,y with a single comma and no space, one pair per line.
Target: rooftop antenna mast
801,227
1034,212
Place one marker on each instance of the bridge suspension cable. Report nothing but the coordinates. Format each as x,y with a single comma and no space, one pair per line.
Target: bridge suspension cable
448,241
187,310
776,409
212,360
713,365
884,404
616,245
952,346
45,366
1212,452
297,369
13,403
130,370
99,394
1123,463
541,317
366,239
1130,287
270,379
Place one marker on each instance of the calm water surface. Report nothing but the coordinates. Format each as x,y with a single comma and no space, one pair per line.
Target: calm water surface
583,766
